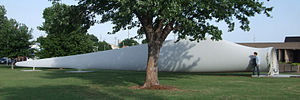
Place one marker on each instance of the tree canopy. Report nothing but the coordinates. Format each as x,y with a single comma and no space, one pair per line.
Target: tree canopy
128,42
103,45
144,41
93,38
66,28
156,19
184,17
14,37
99,45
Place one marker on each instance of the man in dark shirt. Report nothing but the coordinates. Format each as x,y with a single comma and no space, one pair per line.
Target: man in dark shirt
256,63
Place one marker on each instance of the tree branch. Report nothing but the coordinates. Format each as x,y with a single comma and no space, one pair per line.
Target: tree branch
159,26
166,31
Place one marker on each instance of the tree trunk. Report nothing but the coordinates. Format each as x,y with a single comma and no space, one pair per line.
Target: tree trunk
155,36
12,65
152,64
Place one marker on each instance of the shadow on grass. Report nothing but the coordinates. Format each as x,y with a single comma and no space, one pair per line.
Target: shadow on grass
71,92
103,77
124,78
243,74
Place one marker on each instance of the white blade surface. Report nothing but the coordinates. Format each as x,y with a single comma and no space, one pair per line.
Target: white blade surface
183,56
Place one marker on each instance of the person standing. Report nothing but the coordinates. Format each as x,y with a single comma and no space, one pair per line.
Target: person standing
256,64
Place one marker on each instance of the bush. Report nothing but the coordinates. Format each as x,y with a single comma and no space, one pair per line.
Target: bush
295,64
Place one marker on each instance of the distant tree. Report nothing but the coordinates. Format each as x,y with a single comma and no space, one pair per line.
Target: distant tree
3,18
128,42
99,45
95,41
156,19
66,28
14,37
144,41
103,45
93,38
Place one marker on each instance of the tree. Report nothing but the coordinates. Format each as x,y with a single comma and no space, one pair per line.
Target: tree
14,37
66,28
156,19
102,46
144,41
99,45
128,42
95,40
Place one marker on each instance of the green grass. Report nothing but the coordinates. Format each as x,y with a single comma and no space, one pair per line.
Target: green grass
295,64
54,84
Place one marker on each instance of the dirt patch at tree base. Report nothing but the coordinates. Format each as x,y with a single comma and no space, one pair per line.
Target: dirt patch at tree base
157,87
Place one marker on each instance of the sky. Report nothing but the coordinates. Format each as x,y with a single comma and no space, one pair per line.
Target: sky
284,22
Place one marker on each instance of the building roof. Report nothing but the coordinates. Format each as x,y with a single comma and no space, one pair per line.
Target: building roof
280,45
114,46
292,39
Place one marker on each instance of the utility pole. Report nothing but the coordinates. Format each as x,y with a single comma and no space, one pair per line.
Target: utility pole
116,40
100,38
12,65
174,36
123,45
104,47
128,33
7,48
253,37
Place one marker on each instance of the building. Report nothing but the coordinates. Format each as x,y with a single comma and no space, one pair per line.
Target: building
114,46
287,51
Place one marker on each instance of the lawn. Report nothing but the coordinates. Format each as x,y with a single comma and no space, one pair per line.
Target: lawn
55,84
